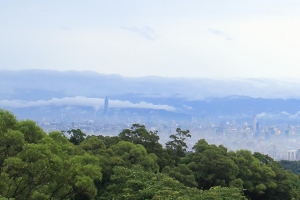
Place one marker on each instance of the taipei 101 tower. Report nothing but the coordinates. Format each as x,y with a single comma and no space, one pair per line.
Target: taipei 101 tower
106,105
254,124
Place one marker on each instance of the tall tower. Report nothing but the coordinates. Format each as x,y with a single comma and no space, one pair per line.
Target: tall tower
254,124
106,105
257,128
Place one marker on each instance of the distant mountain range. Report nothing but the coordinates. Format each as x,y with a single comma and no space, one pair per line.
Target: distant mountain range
234,98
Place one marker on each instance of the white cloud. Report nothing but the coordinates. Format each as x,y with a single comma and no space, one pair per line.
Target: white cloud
187,107
97,103
266,115
262,115
220,33
146,32
295,115
284,113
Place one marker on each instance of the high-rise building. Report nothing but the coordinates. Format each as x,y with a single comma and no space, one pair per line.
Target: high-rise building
106,105
298,154
254,124
257,128
257,132
291,155
287,133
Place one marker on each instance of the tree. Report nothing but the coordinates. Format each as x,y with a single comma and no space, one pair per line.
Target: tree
178,144
7,121
134,154
76,136
93,145
109,140
181,173
257,177
138,134
287,184
294,166
32,132
34,165
212,166
135,183
45,171
11,143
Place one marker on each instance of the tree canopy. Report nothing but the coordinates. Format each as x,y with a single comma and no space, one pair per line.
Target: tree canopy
133,165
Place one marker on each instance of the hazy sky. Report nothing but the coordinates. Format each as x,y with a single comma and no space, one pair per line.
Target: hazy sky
187,38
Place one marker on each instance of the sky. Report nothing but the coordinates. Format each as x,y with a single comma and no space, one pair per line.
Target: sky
178,38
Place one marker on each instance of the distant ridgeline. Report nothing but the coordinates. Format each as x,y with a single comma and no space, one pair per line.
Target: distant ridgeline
29,93
133,165
217,110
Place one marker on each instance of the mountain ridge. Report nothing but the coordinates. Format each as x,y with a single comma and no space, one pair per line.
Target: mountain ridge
197,97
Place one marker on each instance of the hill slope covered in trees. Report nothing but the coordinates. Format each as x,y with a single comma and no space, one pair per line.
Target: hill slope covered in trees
133,165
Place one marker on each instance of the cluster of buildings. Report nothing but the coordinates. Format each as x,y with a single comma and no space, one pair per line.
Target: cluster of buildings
281,141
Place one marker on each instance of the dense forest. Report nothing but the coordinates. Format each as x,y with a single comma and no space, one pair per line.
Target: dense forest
133,165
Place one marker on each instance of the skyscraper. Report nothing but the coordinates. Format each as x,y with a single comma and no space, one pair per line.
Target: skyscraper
257,128
106,105
254,124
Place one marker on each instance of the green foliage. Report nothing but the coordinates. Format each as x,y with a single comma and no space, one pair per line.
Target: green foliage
263,178
212,165
3,198
181,173
178,144
222,193
294,166
7,121
138,134
135,154
109,141
76,136
32,133
36,165
264,159
11,143
93,145
135,183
